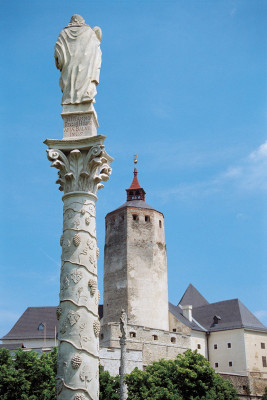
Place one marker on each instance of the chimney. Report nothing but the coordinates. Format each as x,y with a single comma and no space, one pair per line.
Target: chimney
187,312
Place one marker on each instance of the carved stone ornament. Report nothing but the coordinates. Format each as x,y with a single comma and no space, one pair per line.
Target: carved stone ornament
76,240
96,327
59,386
97,297
76,275
76,361
81,170
73,317
79,396
92,286
58,312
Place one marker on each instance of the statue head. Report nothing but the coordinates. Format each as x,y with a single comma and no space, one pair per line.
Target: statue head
76,20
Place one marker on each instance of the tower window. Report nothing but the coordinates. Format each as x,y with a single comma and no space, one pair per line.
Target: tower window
215,346
135,217
230,363
229,345
262,345
174,330
155,337
173,340
216,365
199,346
102,336
264,363
132,334
147,218
160,223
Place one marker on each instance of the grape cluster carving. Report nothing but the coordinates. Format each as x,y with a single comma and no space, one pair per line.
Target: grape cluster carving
76,240
92,286
76,361
96,327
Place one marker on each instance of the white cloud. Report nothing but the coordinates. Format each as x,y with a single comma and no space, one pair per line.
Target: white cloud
260,153
248,175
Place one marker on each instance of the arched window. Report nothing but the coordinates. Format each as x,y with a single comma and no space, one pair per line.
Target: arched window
41,327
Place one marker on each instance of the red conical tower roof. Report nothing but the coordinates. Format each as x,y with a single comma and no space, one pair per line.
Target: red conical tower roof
135,192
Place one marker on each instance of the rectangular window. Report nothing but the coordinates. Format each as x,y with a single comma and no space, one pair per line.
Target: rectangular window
262,345
160,223
155,337
147,218
173,340
230,363
229,345
215,346
132,334
216,365
199,346
135,217
264,363
174,330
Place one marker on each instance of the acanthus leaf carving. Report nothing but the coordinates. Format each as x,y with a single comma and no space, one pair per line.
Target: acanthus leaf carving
80,170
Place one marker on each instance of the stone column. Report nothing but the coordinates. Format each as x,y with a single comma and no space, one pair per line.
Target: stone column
82,164
123,328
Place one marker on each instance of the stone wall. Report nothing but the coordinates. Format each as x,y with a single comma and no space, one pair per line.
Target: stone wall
154,344
135,271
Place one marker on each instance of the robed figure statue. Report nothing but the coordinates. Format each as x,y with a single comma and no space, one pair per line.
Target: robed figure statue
78,57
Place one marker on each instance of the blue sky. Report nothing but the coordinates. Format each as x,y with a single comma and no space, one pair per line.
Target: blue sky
182,85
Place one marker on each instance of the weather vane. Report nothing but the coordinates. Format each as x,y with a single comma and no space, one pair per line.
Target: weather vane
135,158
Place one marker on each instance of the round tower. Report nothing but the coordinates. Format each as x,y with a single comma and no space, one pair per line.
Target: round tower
135,266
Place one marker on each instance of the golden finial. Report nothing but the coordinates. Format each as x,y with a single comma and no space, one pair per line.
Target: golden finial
135,159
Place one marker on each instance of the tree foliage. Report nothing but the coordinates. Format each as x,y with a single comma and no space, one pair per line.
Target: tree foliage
109,385
28,376
188,377
264,397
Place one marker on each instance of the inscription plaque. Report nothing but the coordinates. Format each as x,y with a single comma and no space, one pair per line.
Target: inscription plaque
79,125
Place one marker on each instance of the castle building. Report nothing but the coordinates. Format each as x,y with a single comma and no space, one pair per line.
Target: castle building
135,279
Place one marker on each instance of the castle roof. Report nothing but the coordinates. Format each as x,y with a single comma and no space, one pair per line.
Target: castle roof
177,312
222,315
192,297
227,314
135,191
27,325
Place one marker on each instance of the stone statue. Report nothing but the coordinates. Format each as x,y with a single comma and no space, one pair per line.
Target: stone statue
78,57
123,324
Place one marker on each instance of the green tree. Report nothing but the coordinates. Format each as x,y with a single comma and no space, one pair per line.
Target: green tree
109,385
27,376
188,377
264,397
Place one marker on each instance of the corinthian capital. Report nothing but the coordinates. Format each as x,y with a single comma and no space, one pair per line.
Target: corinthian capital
82,164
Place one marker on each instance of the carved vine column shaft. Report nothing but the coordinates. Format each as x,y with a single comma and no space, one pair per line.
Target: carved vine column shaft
82,164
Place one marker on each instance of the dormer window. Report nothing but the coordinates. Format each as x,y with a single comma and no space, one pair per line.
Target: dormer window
216,319
41,327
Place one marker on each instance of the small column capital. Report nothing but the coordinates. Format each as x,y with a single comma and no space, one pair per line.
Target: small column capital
82,163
